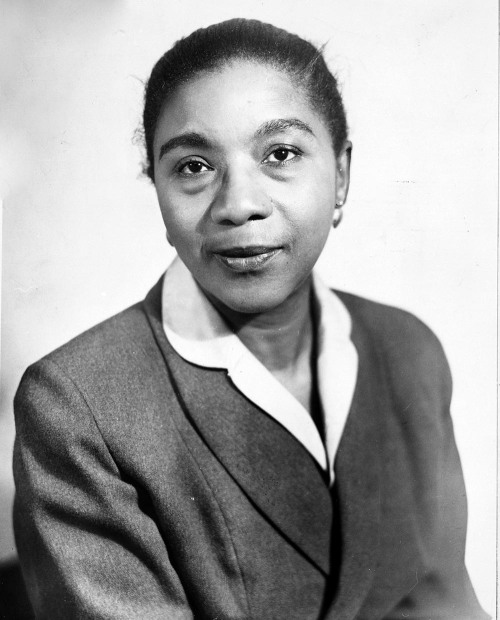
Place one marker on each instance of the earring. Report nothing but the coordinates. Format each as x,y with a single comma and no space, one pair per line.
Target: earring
338,214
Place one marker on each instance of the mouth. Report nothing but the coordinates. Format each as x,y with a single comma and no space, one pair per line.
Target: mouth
251,258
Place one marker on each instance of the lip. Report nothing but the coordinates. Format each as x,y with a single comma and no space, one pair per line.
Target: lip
246,259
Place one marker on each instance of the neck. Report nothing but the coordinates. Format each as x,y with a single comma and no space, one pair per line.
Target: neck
280,338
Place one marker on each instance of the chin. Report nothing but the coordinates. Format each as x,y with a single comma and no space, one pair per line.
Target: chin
251,300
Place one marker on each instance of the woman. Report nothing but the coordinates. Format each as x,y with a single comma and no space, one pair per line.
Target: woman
245,443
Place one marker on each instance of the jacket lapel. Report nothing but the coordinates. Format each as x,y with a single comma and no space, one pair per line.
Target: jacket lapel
358,484
273,469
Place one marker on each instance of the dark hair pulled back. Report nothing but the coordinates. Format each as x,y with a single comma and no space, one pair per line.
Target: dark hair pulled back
208,49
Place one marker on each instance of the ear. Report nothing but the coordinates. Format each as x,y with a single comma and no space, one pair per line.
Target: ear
343,173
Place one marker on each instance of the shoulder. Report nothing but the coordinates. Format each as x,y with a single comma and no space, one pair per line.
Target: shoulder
390,327
112,379
385,321
120,341
109,362
112,342
405,345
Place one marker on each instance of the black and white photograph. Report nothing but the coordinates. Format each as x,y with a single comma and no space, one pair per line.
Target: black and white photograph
248,310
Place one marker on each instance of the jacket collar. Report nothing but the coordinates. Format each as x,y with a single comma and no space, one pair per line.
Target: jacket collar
199,334
278,475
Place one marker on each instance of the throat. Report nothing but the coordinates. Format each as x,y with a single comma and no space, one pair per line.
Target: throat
284,340
288,348
302,382
303,385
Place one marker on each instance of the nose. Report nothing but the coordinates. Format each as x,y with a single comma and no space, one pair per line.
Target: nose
239,199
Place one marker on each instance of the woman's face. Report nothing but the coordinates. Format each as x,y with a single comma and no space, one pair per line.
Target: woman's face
247,182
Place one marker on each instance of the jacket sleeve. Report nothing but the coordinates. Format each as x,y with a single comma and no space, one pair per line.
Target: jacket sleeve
443,591
86,548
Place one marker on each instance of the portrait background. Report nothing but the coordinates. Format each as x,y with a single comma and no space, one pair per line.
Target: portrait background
82,233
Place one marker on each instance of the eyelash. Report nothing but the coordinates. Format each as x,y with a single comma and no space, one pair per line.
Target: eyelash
180,168
275,164
283,147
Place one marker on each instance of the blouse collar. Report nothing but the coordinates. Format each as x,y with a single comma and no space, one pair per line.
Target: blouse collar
199,334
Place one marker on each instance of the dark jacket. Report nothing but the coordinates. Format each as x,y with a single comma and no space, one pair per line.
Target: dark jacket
148,487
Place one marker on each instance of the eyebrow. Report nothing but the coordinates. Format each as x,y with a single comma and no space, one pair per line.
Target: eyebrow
282,124
195,140
190,139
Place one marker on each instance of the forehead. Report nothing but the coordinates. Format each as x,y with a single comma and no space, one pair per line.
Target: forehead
233,100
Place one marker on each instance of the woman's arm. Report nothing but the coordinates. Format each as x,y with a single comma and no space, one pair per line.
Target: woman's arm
86,548
444,591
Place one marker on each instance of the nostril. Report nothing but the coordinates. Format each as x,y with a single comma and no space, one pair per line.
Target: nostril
236,208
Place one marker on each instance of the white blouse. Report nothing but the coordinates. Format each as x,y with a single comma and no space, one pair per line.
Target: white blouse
199,334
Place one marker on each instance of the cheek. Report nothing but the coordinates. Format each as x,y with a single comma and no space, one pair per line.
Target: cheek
314,212
164,202
181,230
180,220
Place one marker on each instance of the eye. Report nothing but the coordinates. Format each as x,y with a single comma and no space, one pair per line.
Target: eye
193,167
282,155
